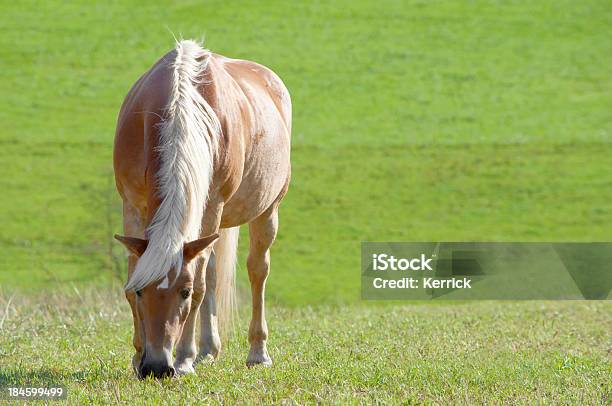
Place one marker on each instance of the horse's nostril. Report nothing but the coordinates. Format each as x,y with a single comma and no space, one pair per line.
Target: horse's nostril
171,372
165,372
144,371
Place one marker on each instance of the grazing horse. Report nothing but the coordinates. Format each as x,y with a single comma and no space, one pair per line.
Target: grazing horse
202,146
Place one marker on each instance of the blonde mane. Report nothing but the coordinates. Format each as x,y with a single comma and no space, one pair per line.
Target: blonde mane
188,143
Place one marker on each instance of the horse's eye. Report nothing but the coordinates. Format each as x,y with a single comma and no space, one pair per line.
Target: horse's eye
185,293
139,293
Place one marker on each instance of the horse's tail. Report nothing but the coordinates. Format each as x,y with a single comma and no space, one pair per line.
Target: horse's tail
188,144
226,249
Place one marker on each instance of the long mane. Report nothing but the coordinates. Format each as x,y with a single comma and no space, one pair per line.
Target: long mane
188,143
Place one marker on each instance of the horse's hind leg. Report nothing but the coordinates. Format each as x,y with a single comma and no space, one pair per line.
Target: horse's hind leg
210,343
262,232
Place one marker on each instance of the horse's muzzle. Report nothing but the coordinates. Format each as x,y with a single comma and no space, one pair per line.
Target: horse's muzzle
157,369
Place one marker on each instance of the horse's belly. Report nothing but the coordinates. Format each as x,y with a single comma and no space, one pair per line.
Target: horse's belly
265,175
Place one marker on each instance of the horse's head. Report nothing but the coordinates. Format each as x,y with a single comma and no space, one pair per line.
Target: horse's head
163,306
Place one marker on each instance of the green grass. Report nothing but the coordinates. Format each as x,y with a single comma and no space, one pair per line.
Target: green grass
482,352
413,120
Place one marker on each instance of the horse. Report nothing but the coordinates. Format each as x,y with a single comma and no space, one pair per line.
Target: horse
202,146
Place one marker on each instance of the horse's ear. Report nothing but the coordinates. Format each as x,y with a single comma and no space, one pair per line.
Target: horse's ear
136,246
193,248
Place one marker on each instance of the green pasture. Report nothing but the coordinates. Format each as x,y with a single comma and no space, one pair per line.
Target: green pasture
476,353
413,120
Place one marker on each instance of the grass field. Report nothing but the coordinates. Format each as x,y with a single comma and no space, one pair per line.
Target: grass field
416,121
494,353
412,121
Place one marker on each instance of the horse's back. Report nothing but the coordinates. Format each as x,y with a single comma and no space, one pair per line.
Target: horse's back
248,74
266,168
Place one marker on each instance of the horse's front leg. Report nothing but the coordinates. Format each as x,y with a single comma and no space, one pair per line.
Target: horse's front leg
133,226
186,350
186,347
137,338
262,232
210,342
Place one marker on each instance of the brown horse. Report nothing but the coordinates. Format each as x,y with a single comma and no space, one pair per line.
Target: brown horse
202,146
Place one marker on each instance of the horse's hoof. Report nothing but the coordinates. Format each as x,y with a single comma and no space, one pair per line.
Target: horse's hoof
184,368
251,363
205,359
259,359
